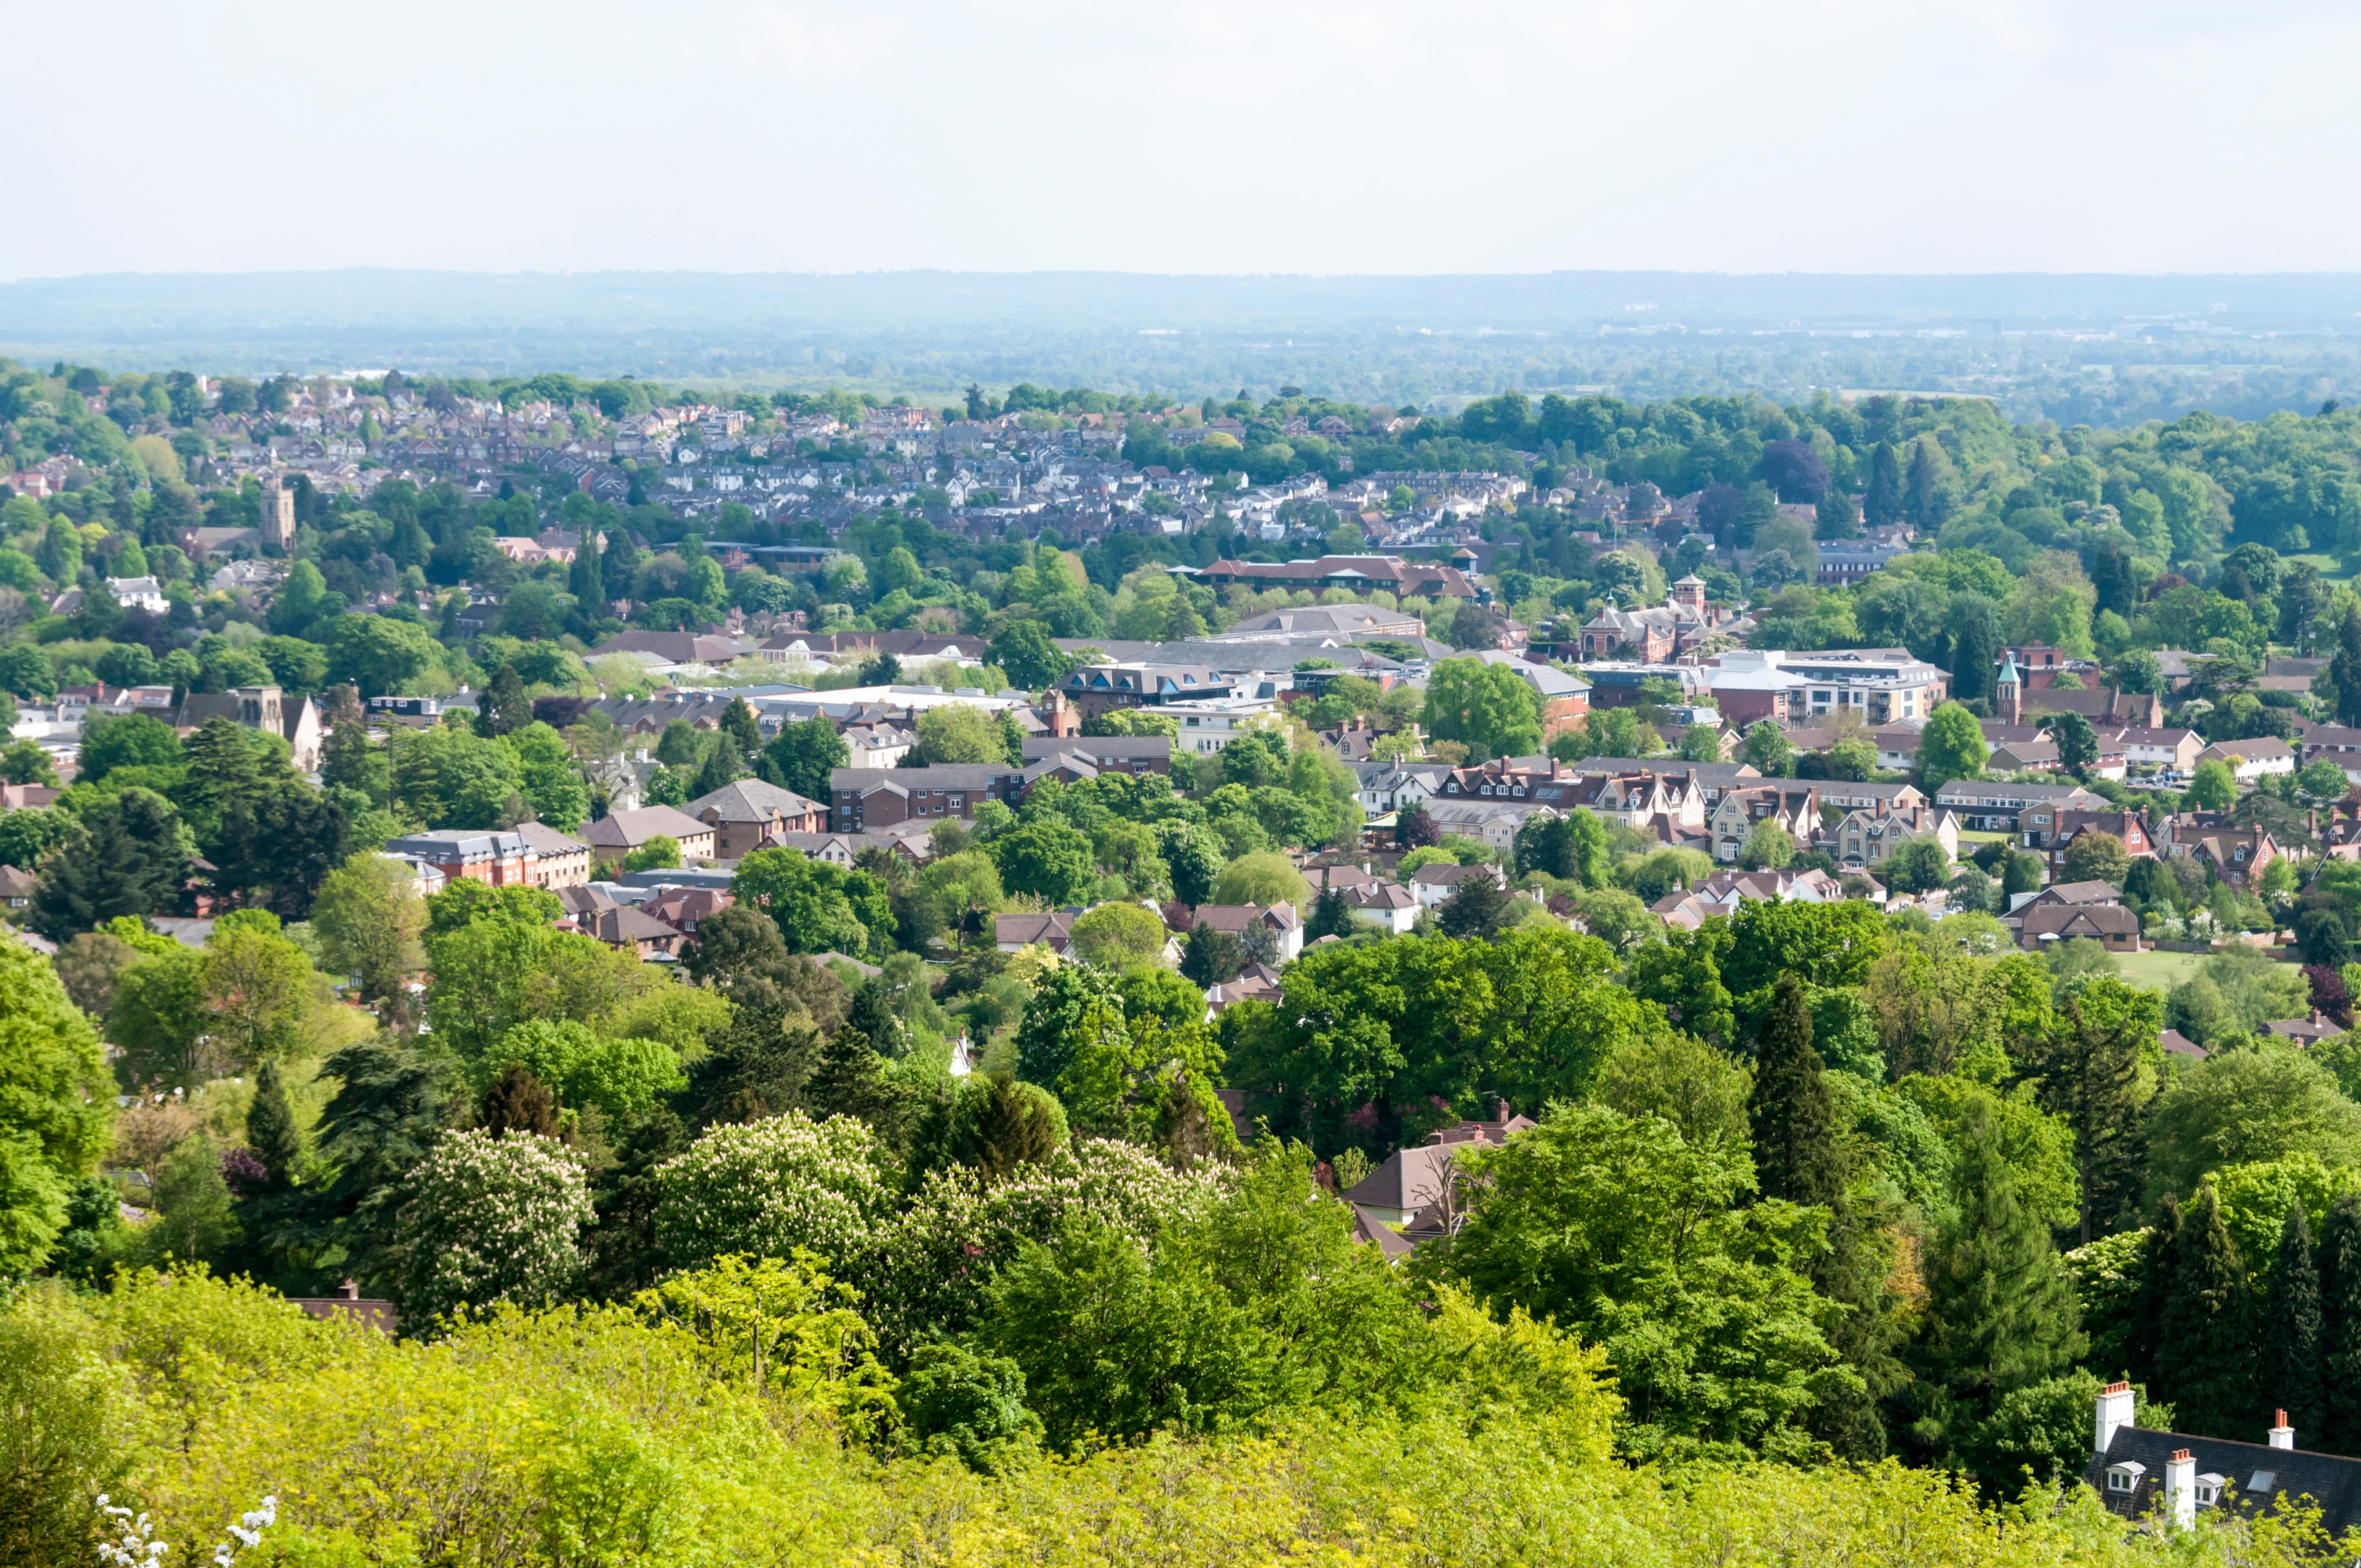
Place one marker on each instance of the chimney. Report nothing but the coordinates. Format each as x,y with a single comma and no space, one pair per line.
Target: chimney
349,1292
2180,1489
2114,1414
2281,1434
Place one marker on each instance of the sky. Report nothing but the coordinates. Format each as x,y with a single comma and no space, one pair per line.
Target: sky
1396,137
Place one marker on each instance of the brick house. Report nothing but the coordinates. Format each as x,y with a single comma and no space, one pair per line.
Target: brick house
743,814
499,857
863,799
2111,925
618,833
559,860
2053,832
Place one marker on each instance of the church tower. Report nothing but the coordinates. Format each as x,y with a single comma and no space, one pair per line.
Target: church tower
2008,692
278,513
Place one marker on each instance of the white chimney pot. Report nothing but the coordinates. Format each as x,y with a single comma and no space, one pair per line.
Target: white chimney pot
2114,1414
2281,1434
2181,1489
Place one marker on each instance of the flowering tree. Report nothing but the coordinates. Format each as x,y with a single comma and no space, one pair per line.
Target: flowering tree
490,1218
770,1187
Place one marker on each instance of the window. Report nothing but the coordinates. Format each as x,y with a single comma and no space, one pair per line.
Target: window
2120,1480
2262,1481
2209,1491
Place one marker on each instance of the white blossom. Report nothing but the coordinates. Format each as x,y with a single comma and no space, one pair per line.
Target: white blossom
491,1220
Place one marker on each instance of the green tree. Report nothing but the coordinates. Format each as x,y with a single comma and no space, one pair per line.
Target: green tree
1793,1120
1117,936
491,1220
819,907
1475,909
2000,1315
658,853
1951,747
271,1130
1022,650
1212,957
2077,742
2292,1333
134,739
504,707
131,860
1487,708
2204,1329
2088,1072
2339,1326
1625,1233
1045,858
2212,787
1768,847
802,756
957,732
2097,857
376,654
1331,915
56,1106
1766,747
2239,1106
2344,669
1262,879
744,732
1918,866
367,919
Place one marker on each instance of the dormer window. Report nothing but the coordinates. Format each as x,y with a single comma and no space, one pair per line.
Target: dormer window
2124,1477
2209,1490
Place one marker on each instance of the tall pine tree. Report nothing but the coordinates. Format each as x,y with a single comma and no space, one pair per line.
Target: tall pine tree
2340,1328
2089,1066
1974,653
1796,1152
2344,669
272,1129
2205,1329
2291,1330
1884,503
584,579
518,1102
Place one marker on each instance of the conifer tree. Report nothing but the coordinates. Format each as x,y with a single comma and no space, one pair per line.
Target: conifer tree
2344,669
2205,1329
1331,915
1884,503
585,579
506,709
742,730
2001,1314
272,1129
1796,1152
719,768
2291,1330
848,1080
2090,1065
2340,1328
518,1102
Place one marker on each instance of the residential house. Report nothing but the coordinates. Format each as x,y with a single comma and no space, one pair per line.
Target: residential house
139,593
1492,822
1790,805
17,887
2075,892
618,833
1255,982
627,926
559,860
2111,925
1434,884
876,744
1658,632
2141,1473
2336,743
2176,751
1209,724
1136,754
2053,832
1397,786
1420,1176
2235,853
1238,919
2252,757
1386,573
499,857
1053,929
1706,779
866,799
1994,805
2310,1030
1865,840
743,814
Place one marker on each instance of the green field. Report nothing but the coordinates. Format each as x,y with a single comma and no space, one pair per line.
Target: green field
2158,971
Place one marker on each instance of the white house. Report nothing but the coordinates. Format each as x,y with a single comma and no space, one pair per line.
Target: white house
2252,757
139,593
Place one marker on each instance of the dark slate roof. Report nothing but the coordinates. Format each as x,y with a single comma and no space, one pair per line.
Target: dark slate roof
2330,1480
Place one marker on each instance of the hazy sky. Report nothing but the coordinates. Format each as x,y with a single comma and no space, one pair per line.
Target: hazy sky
1378,135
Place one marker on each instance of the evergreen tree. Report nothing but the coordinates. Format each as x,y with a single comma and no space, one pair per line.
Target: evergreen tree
130,859
1796,1152
518,1102
386,1113
1013,1128
1331,915
874,1015
2340,1327
1921,495
2291,1330
1212,957
1475,910
271,1130
718,771
2090,1075
2001,1314
585,579
506,710
2344,669
1884,503
1974,654
624,1256
850,1080
2204,1329
744,732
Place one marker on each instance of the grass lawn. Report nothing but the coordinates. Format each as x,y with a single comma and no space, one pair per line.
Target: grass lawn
2158,971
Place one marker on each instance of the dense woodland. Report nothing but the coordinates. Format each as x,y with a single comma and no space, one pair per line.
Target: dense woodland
1832,1225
